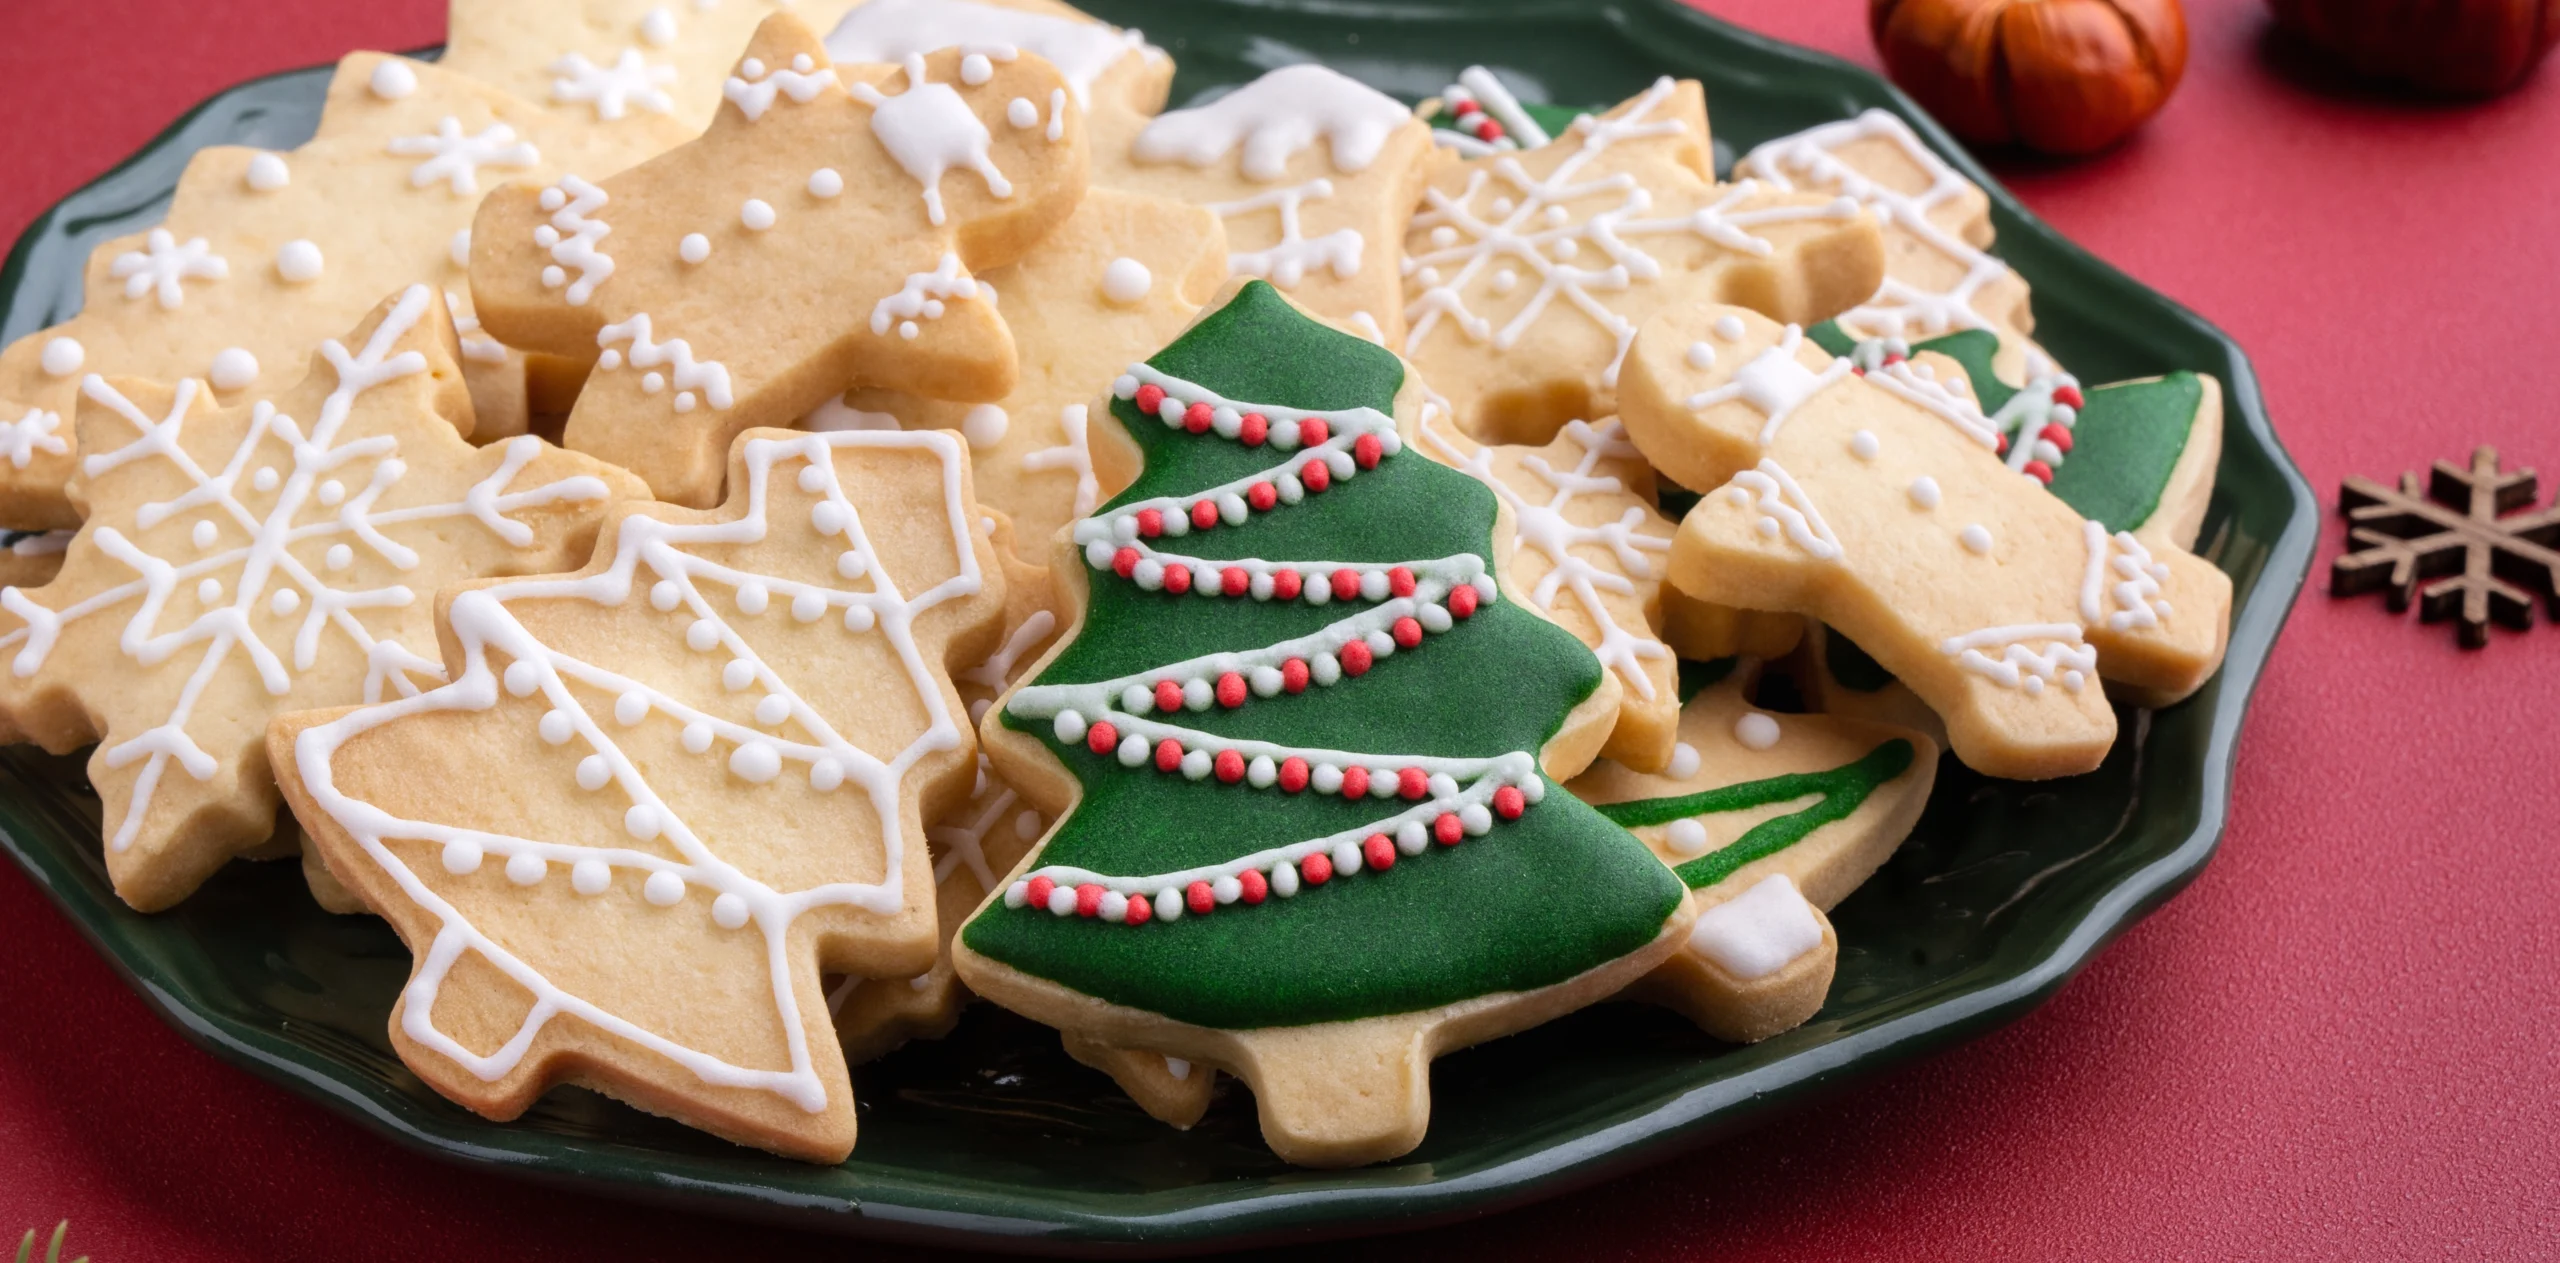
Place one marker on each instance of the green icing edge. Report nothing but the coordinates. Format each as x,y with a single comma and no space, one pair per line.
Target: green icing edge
1844,789
1554,119
1449,924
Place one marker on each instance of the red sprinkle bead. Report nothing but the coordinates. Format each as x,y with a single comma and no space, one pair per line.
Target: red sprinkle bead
1124,563
1255,428
1468,107
1150,397
1286,585
1196,418
2059,435
1411,783
1234,582
1407,631
1203,515
1366,451
1355,782
1037,895
1447,830
1316,475
1346,584
1140,908
1088,900
1356,658
1177,579
1256,886
1231,690
1293,774
1488,131
1168,755
1261,496
2070,395
1200,899
1293,675
1151,522
2002,447
1379,851
1230,766
1102,738
1168,695
1313,431
1509,802
1462,600
1400,581
2039,471
1892,358
1316,869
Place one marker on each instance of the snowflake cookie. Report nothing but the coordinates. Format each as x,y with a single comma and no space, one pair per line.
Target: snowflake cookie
1528,273
616,65
824,232
1768,820
270,556
264,254
1315,174
725,731
1873,498
1310,836
1120,278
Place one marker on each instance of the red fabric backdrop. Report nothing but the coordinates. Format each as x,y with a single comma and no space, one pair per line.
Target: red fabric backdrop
2336,1044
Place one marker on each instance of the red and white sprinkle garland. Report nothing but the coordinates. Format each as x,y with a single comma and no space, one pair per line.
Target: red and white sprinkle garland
2047,408
1450,799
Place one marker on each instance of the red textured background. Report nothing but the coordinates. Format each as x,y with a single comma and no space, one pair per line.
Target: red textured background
2338,1044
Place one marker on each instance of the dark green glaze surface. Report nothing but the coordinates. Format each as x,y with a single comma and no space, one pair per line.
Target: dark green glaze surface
993,1137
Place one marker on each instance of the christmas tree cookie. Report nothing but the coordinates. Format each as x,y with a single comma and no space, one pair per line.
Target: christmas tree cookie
1527,274
1315,175
263,255
1874,499
274,555
1302,742
723,737
1769,820
823,232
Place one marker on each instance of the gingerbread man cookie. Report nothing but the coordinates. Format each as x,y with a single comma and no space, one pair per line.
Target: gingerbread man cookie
1272,771
1769,820
1527,274
1873,498
1114,76
823,232
264,254
729,729
270,556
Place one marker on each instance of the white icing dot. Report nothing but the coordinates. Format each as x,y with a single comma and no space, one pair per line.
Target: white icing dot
1125,280
392,79
556,727
757,761
1688,837
1976,538
267,173
654,382
62,357
554,276
659,28
298,262
209,591
757,214
332,491
975,69
339,557
1701,356
1924,491
737,675
522,678
641,821
694,248
773,709
284,602
590,877
630,708
857,618
662,889
665,595
593,773
459,249
524,868
1022,113
825,774
1556,216
702,635
1684,761
984,426
461,857
1729,328
204,533
235,369
752,597
826,182
265,479
1756,731
1070,727
1444,236
697,737
729,911
907,329
1505,280
1863,445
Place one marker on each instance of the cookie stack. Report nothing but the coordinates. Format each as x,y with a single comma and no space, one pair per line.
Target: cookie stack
735,541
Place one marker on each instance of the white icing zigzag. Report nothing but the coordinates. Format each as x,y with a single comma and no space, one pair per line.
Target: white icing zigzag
709,379
498,651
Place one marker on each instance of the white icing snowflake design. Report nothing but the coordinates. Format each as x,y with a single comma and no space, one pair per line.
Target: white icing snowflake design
629,83
455,159
163,264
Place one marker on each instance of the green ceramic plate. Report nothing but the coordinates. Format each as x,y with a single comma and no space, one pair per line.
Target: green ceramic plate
994,1138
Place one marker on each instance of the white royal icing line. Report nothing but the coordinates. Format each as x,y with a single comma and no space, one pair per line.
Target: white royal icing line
35,432
484,626
455,159
929,130
476,347
894,30
1758,932
753,90
1276,117
614,90
1072,456
164,263
1782,505
2020,664
1289,260
571,237
923,297
2133,599
1775,383
691,378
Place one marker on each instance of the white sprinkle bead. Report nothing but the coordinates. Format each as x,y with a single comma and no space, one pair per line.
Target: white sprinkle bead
756,761
1864,445
1284,880
1688,837
522,678
62,357
975,69
1133,750
267,173
1728,328
1069,727
1022,113
826,182
729,911
1684,761
696,737
392,79
235,369
1701,356
1756,731
641,821
1198,694
1327,779
757,214
556,727
1125,280
1137,699
663,889
1168,905
1924,492
1115,906
825,774
1346,859
694,248
525,868
590,877
298,261
1412,838
593,773
1476,819
461,857
1262,773
984,425
1975,538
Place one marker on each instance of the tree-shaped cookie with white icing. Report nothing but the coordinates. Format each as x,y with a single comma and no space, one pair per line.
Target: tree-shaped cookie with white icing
824,232
263,255
1527,274
1769,820
721,740
1315,174
273,555
1874,499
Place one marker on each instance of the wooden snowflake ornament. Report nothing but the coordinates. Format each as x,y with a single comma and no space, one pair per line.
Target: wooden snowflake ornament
2487,562
263,255
824,232
730,727
1527,274
274,555
1875,500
